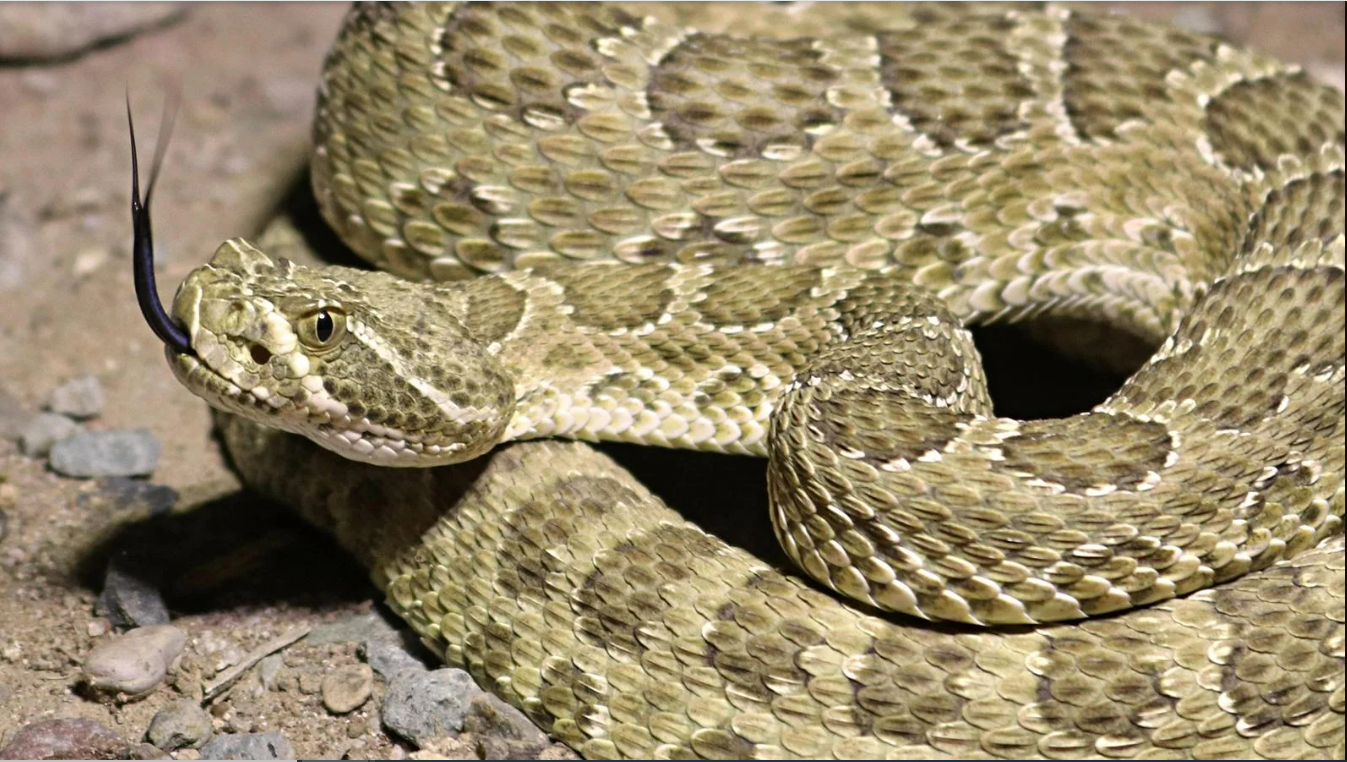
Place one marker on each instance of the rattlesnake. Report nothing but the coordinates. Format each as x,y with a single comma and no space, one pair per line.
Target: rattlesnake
1009,161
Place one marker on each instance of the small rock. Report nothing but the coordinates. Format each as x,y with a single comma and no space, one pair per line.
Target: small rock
88,260
310,683
41,32
43,431
78,398
269,745
4,519
345,688
179,724
269,669
502,731
391,657
129,597
135,663
144,750
13,416
421,706
106,453
63,739
353,629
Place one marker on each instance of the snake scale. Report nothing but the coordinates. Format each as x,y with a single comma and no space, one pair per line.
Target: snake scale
1164,572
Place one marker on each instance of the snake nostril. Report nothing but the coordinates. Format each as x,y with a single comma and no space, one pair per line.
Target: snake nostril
260,354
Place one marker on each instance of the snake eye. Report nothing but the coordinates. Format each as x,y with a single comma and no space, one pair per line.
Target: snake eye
322,329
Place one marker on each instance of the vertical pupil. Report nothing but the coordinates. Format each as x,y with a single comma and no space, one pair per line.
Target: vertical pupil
323,327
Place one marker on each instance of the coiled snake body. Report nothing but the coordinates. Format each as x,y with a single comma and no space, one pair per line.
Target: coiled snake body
1010,162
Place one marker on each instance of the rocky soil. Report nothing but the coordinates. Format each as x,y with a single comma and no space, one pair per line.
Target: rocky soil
149,608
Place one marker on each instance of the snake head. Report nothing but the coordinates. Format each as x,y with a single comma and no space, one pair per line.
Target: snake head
361,363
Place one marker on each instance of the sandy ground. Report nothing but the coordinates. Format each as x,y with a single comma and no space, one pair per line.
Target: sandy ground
234,571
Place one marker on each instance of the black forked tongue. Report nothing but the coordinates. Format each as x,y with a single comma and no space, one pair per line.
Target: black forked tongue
142,249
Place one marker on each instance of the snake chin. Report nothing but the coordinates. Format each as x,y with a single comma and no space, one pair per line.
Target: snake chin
324,421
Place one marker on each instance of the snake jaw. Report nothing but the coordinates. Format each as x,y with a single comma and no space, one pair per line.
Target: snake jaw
363,394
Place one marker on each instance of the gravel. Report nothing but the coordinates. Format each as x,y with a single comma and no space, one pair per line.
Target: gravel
270,745
179,724
79,398
106,453
43,431
424,706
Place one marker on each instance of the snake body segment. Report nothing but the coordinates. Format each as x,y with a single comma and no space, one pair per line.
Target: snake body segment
911,173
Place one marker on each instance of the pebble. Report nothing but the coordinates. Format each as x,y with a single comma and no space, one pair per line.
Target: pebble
129,599
63,739
269,745
391,657
353,629
144,750
422,706
39,31
179,724
269,669
135,663
106,453
43,431
501,730
79,398
345,688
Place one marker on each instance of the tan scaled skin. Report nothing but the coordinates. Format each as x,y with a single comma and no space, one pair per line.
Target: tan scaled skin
1009,162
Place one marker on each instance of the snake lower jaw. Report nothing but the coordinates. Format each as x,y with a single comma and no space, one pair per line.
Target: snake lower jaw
352,438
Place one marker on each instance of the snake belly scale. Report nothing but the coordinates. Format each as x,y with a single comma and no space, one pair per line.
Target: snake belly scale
908,172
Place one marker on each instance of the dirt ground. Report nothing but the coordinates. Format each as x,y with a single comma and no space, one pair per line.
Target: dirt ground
235,572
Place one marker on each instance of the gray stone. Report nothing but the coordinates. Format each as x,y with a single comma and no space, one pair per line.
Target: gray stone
42,31
345,688
423,706
179,724
501,730
136,663
353,629
106,453
64,739
78,398
269,745
129,597
43,431
391,657
269,669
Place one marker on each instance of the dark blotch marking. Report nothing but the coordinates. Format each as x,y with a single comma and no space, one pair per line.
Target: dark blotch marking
952,77
1306,209
532,75
494,309
1252,123
744,94
1116,66
747,296
622,297
1088,451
